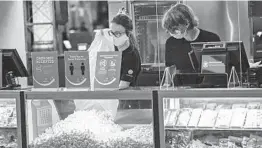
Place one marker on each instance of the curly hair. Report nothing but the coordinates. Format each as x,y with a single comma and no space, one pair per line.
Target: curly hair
179,14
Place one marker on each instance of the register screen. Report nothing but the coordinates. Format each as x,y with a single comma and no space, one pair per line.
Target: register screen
213,63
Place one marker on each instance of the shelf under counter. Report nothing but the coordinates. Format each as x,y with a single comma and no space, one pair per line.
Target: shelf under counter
213,129
8,128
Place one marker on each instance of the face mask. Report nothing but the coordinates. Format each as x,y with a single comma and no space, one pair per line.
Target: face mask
121,40
178,35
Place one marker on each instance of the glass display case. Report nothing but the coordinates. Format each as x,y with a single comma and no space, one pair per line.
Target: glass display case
209,118
68,118
11,120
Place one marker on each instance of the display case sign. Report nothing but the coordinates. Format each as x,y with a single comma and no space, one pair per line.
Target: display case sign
45,70
77,73
107,73
42,113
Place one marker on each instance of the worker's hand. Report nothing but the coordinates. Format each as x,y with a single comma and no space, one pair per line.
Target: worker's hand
123,85
255,65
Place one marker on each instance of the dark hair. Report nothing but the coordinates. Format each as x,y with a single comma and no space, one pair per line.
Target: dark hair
125,21
179,14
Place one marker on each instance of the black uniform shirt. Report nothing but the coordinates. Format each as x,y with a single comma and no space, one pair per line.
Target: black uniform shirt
177,50
130,65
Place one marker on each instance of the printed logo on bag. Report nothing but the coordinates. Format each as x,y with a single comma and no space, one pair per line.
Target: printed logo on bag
77,69
45,69
130,71
205,64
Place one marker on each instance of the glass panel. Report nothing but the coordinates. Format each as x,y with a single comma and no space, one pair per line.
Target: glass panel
42,11
233,42
43,33
147,16
8,123
216,122
88,122
151,40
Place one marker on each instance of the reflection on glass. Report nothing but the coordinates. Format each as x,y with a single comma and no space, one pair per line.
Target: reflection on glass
8,123
42,11
213,63
216,122
42,112
151,37
88,123
85,16
43,33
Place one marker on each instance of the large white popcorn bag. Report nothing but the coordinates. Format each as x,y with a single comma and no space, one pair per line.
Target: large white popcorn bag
102,42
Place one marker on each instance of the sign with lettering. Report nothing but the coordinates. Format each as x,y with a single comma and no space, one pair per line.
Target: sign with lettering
45,70
107,73
77,73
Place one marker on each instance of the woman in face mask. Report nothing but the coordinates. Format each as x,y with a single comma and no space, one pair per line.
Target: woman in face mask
124,41
121,29
182,24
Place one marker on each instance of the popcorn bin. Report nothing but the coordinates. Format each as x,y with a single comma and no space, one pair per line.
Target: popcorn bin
93,122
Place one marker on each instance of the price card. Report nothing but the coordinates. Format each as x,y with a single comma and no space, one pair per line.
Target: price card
77,73
45,70
107,73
